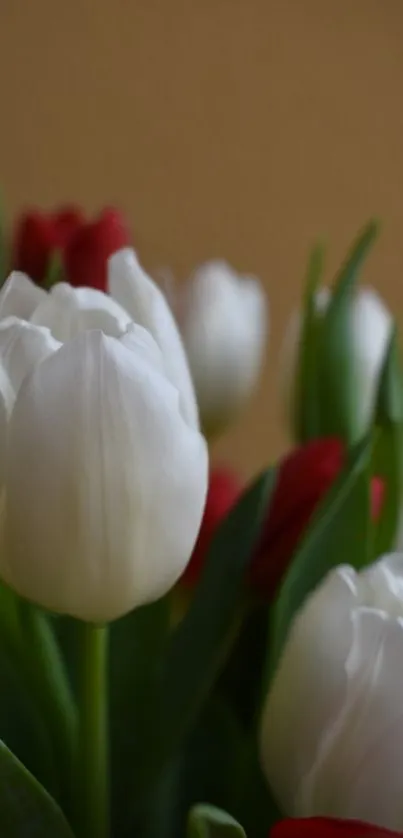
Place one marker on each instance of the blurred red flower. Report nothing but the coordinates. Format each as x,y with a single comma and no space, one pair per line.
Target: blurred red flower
87,252
84,247
328,828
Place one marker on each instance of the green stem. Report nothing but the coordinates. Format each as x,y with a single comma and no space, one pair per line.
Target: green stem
93,790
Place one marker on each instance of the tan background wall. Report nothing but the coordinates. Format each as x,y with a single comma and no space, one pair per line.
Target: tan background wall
235,128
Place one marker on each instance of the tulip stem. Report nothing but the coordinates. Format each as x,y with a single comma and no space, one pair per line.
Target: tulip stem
93,790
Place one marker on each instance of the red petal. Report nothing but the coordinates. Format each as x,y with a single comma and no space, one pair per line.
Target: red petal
328,828
34,240
90,247
67,220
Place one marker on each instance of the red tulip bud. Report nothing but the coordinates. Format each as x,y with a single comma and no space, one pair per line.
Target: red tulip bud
304,477
38,235
88,251
328,828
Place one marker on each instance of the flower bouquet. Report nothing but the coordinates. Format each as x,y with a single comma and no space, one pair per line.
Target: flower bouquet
182,654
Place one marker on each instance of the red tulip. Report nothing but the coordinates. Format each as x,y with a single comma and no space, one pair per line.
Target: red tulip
304,477
38,235
89,249
328,828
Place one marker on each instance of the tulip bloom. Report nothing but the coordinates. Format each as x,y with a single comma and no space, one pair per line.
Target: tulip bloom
224,322
305,475
329,828
84,247
103,467
371,325
332,734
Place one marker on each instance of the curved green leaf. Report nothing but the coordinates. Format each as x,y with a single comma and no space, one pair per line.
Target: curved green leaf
26,809
338,387
388,453
207,821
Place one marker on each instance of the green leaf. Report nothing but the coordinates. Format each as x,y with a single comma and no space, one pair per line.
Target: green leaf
203,639
207,821
388,453
338,387
26,809
307,406
338,534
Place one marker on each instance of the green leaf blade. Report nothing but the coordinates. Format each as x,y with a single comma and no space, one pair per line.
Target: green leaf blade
207,821
26,809
338,385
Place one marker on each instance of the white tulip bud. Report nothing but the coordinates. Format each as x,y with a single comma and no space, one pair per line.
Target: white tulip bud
371,325
224,324
103,473
332,733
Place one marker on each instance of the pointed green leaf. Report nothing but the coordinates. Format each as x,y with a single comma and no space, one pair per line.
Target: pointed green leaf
388,453
207,821
339,534
306,408
26,809
338,387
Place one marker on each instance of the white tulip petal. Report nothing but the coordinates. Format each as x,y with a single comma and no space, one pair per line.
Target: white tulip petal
365,745
107,478
19,296
6,403
68,311
22,346
371,325
139,295
292,719
140,341
224,323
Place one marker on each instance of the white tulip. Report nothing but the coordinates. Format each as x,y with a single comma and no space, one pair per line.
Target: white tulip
371,325
103,474
224,324
332,732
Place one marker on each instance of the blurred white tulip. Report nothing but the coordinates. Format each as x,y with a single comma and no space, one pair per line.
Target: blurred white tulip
371,325
103,468
224,323
332,732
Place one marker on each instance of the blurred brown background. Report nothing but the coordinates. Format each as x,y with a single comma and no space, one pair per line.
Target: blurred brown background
234,128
